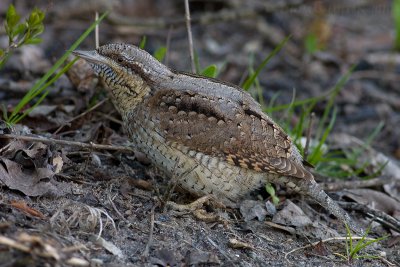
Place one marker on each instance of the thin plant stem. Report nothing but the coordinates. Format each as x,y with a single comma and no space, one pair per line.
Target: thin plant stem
189,31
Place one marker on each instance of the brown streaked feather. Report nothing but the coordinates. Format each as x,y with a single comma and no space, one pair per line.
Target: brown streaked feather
220,127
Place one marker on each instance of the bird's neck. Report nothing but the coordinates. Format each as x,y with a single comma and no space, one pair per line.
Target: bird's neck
127,92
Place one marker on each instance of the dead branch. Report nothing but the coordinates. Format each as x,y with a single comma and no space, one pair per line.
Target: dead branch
47,140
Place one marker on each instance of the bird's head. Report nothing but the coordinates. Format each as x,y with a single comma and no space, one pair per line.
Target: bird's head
127,71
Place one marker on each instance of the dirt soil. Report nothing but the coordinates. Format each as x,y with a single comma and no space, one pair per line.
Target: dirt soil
69,205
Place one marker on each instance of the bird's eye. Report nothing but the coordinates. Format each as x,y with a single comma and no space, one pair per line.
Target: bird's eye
120,59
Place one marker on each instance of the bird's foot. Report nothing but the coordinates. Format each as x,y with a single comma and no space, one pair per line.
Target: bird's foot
197,208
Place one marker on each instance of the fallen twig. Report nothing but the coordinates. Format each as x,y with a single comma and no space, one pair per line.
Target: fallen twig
377,215
340,185
146,251
46,140
80,115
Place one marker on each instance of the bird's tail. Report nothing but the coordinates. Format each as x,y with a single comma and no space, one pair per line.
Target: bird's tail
312,189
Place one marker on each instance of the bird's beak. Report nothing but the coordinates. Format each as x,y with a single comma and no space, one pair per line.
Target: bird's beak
90,56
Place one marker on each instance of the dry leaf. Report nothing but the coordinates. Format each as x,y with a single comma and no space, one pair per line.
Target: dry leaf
251,209
22,206
58,164
291,215
234,243
36,182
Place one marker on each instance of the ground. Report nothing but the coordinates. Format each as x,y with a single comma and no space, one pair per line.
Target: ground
63,204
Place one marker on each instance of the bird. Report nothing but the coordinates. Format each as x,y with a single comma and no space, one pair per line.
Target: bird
212,135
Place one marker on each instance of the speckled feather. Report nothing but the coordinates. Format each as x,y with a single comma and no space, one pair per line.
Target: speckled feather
211,135
243,137
200,108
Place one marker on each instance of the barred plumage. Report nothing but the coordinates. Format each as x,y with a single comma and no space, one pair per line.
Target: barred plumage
210,134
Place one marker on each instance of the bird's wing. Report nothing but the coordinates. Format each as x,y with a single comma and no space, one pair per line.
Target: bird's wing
224,128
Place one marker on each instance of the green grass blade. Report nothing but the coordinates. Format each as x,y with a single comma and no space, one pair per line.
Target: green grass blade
360,244
250,80
350,239
295,104
55,78
210,71
45,86
336,90
26,112
160,53
143,42
374,133
4,111
39,85
300,127
378,171
317,152
272,101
